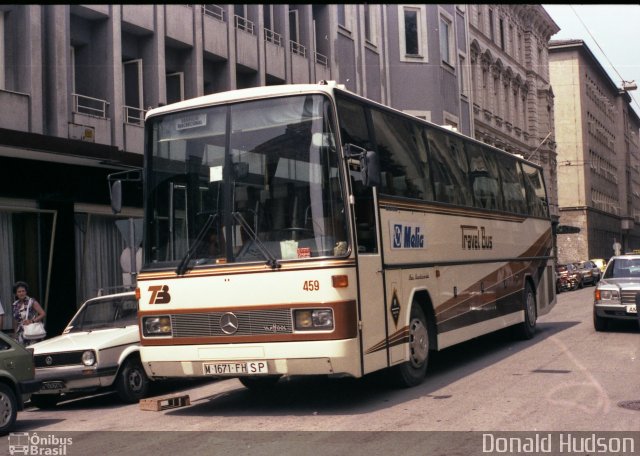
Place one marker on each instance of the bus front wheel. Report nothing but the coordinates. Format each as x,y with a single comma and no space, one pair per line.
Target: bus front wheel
412,372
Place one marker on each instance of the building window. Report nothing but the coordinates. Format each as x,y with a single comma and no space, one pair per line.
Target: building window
267,12
411,32
3,64
344,17
175,87
371,24
446,40
463,75
502,45
133,96
491,28
412,27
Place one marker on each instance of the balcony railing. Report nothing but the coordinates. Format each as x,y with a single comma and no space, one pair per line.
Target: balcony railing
297,48
214,11
90,106
243,24
321,59
273,37
134,116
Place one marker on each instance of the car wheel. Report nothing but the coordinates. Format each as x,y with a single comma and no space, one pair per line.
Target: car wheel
132,383
527,329
8,408
260,384
581,284
412,372
600,323
45,401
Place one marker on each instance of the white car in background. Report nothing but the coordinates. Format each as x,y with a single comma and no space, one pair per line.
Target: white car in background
98,349
617,294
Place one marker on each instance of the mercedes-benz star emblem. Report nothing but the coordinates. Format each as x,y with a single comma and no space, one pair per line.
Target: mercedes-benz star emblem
229,323
48,360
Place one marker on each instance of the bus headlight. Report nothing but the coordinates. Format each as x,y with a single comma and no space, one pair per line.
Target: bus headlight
156,326
89,358
313,319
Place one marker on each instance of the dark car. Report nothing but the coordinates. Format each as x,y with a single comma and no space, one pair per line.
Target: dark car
16,380
590,272
568,277
616,294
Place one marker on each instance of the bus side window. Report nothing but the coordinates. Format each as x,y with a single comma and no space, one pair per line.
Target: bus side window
536,196
402,156
449,169
484,178
354,130
512,186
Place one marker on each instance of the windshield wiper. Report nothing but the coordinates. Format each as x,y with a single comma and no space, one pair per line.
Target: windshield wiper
272,261
184,264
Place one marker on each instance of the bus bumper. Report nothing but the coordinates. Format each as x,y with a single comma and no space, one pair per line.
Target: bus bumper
282,358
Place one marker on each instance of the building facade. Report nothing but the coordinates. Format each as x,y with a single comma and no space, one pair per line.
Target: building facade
598,156
76,81
513,102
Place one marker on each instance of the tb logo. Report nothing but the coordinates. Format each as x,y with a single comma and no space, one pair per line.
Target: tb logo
159,294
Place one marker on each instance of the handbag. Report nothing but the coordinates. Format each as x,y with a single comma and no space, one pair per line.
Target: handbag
35,330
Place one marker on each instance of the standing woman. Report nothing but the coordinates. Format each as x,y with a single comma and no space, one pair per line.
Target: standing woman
20,308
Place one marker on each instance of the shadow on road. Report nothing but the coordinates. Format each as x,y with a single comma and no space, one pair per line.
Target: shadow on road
323,395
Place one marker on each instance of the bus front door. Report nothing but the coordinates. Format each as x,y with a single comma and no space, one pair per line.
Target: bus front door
373,329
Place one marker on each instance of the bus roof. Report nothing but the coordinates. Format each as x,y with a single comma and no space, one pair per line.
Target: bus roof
294,89
241,95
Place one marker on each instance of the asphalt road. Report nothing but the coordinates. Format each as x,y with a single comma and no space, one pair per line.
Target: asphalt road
568,379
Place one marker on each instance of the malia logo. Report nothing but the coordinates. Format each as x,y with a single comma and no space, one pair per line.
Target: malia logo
475,238
407,235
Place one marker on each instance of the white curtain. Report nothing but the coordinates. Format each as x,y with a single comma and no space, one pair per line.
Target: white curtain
6,267
98,249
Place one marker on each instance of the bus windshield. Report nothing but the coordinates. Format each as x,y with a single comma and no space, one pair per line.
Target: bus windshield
256,181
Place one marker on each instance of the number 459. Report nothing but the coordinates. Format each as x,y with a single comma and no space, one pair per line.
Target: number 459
311,285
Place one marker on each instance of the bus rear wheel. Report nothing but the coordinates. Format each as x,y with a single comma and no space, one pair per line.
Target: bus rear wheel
412,372
527,329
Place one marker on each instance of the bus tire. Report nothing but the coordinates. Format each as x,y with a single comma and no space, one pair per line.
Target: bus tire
527,329
412,372
132,383
260,383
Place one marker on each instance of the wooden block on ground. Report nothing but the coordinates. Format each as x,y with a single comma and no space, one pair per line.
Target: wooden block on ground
156,404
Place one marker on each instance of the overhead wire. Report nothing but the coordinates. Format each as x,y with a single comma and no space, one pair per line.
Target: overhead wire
604,53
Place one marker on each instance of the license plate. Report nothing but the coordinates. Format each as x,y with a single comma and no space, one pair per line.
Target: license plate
632,309
243,367
52,385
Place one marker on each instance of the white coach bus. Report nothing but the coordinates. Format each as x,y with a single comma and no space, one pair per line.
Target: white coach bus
304,230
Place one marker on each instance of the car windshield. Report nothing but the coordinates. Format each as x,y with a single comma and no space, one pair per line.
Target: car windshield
105,313
621,268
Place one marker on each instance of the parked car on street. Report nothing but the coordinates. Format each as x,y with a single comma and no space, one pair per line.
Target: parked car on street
590,272
601,263
17,380
615,295
567,277
98,349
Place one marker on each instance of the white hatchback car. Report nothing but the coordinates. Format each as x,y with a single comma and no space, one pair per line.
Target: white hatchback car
98,349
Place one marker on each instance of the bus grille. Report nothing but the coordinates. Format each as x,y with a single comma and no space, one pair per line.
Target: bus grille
251,322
